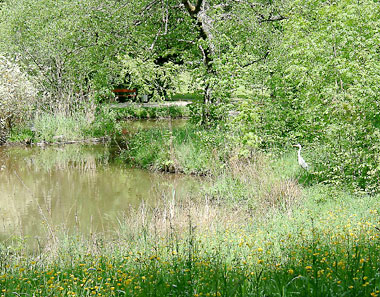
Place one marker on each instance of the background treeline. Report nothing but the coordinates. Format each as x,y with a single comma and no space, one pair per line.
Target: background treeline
304,71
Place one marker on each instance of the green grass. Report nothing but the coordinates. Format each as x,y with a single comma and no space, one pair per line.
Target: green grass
69,127
141,112
257,228
321,249
189,149
196,97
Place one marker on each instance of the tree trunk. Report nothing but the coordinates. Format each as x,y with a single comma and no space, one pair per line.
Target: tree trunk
197,12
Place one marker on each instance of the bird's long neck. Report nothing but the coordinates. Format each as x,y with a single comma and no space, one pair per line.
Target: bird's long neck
299,152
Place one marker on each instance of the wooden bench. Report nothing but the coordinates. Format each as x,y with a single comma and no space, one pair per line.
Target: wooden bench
125,93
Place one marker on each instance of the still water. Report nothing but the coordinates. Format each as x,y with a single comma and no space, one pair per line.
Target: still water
79,187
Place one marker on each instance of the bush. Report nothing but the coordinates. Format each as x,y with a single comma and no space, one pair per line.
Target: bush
349,156
326,95
18,95
106,123
208,114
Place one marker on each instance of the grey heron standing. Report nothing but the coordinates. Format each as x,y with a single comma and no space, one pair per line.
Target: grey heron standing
301,161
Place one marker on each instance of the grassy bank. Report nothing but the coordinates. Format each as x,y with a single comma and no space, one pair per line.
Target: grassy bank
186,149
253,230
202,249
150,112
104,122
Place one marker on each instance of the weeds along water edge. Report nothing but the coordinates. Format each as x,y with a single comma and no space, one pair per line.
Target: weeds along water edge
201,247
255,231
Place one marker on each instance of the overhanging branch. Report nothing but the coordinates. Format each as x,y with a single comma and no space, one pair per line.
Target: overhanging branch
256,61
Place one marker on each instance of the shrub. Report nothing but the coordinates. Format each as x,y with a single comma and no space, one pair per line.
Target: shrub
326,95
17,93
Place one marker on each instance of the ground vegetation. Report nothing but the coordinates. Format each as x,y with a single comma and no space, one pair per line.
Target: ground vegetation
269,74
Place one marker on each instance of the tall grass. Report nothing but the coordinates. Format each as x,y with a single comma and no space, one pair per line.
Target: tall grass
252,231
186,149
62,127
87,123
70,127
202,249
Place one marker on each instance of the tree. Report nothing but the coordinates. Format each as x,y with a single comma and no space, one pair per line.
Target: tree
17,94
215,40
69,47
325,91
76,49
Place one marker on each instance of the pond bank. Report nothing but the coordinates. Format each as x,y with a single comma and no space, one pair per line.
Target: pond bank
151,104
247,229
253,231
162,110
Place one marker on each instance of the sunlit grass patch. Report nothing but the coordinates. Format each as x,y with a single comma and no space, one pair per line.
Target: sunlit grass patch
323,249
48,126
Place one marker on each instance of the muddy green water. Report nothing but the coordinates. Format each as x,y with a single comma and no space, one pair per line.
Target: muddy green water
75,187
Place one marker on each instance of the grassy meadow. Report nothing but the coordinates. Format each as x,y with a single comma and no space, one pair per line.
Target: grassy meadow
253,230
201,249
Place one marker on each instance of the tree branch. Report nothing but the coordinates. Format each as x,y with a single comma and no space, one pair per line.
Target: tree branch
145,9
255,61
198,6
193,10
275,18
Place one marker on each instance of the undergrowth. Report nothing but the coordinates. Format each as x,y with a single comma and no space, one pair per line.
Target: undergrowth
187,149
140,112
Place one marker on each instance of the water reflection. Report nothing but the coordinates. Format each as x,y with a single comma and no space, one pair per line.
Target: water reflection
77,186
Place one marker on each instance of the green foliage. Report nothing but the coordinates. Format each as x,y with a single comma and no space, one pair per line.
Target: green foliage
312,69
70,48
188,149
48,126
76,51
323,91
244,126
159,82
208,115
105,123
18,94
21,135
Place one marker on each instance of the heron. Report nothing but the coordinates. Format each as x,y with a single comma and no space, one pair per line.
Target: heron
301,161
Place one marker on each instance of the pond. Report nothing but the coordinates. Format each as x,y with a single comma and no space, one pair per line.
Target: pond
76,187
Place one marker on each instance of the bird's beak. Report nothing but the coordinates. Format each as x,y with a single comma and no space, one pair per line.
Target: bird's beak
294,145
